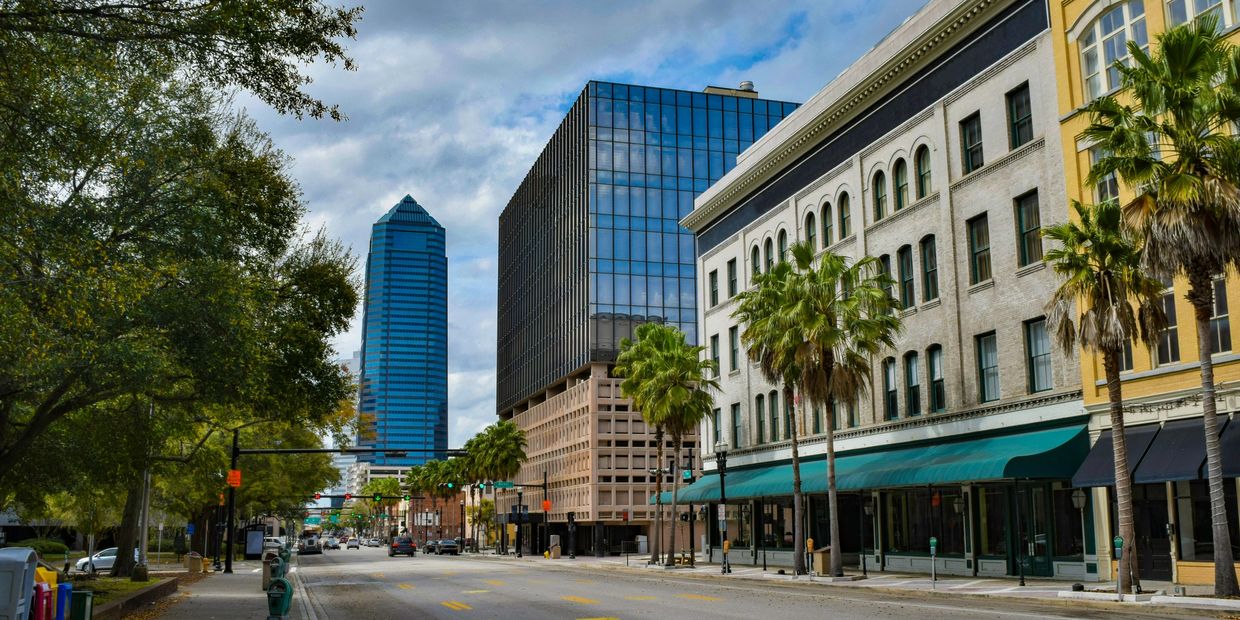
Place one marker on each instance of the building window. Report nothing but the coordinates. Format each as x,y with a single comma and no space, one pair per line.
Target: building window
837,424
1125,357
759,407
1108,186
912,384
734,348
929,270
938,392
1038,355
891,405
971,143
979,249
1181,11
1029,229
884,267
714,287
1105,42
783,246
904,262
787,419
879,189
844,216
770,255
1020,116
772,405
826,224
736,426
987,367
714,416
922,162
817,420
1169,339
755,260
900,179
732,278
714,352
1220,324
811,231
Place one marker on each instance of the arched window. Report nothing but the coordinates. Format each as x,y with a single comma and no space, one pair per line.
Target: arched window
755,261
769,249
811,230
900,178
879,189
922,163
1105,42
904,262
826,224
938,393
844,216
783,246
912,384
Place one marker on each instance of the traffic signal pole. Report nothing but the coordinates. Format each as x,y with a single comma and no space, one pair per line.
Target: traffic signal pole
232,504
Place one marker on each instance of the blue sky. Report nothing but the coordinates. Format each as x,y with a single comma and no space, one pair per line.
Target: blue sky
453,101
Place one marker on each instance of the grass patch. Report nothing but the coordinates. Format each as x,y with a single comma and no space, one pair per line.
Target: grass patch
108,589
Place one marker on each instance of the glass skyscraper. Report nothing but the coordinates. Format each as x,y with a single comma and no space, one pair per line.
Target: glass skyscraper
590,243
404,365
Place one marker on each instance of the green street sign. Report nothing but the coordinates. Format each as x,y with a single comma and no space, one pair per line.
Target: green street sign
503,484
314,520
335,518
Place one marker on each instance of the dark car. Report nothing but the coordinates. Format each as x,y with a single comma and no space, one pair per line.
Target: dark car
429,547
402,545
447,546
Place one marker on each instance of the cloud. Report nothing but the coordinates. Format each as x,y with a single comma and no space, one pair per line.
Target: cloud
453,101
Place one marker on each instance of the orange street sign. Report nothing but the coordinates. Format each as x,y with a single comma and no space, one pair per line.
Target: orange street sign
234,477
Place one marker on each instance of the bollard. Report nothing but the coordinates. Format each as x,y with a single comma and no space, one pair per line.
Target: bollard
279,599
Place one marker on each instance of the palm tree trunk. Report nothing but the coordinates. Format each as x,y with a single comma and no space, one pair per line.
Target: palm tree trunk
798,505
1127,565
1201,295
671,549
657,534
833,510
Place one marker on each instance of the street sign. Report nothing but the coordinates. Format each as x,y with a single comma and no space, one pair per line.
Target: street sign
314,520
504,484
189,529
234,478
723,513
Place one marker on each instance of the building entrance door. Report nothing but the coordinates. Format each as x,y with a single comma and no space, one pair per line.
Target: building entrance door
1149,506
1035,535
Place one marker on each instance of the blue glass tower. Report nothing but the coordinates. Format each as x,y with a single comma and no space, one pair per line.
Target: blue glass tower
404,366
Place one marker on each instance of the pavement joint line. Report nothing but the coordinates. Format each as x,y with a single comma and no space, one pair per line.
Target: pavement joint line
579,599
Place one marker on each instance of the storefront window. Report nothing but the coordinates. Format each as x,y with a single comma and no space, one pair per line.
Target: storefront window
1196,530
740,525
776,527
992,509
1068,528
913,516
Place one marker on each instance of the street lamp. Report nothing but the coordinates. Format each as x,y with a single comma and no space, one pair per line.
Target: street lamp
721,460
1078,502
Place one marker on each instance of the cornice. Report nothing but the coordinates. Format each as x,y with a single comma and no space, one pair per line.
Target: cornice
913,56
991,72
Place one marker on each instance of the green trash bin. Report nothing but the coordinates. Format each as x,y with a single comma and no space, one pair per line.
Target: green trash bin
83,606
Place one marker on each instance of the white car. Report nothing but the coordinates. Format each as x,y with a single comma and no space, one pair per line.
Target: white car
353,544
101,561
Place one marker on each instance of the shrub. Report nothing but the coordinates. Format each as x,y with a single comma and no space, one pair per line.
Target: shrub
43,546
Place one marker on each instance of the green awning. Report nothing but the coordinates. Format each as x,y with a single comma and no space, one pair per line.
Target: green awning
1041,454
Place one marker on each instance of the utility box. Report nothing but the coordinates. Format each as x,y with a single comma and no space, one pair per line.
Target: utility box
822,561
17,566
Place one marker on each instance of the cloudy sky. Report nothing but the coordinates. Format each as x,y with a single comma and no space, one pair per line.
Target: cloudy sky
453,101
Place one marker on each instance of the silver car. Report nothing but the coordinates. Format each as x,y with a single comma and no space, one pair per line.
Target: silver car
101,561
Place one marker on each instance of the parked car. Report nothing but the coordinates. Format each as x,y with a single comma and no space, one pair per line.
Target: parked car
374,542
101,561
309,545
332,543
272,542
352,544
447,546
402,545
429,546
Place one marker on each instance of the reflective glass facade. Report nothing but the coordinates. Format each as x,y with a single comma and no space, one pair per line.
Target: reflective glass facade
619,173
404,365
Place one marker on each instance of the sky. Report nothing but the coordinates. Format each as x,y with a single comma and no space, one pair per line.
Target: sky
453,101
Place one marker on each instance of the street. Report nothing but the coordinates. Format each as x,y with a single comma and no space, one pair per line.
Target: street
365,583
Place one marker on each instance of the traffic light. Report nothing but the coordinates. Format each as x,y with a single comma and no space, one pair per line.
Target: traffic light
451,485
318,496
348,496
378,497
407,497
624,516
684,516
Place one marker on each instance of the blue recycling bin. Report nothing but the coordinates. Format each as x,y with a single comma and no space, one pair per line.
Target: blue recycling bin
64,598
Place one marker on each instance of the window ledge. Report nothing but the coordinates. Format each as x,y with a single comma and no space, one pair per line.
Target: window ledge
1030,268
921,202
1128,375
981,286
910,311
933,303
1000,163
842,242
734,372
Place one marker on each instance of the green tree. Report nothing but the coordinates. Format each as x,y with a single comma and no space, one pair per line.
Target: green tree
1100,269
482,515
1174,146
499,451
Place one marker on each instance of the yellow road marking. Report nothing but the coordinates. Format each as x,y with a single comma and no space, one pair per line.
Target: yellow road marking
474,591
456,605
450,573
585,581
698,597
579,599
405,586
640,597
377,575
495,582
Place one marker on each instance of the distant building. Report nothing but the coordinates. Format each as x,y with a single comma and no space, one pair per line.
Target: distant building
404,362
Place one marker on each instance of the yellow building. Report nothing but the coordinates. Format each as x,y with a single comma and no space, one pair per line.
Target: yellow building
1162,384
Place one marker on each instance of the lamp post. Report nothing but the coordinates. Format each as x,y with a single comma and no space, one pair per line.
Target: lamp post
1078,502
721,460
462,523
867,507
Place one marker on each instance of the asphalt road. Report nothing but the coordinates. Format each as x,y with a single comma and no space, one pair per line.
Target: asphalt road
365,583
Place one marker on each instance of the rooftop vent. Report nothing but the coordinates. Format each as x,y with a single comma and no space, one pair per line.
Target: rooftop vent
745,85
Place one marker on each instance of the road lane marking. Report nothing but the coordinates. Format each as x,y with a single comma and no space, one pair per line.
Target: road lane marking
600,618
456,605
699,597
641,597
968,584
405,586
495,582
584,580
579,599
377,575
474,591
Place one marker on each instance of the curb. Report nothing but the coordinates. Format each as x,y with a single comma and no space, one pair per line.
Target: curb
136,599
1196,602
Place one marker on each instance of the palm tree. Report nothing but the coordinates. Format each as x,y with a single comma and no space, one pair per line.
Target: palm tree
501,451
772,338
1101,270
1172,145
640,363
845,315
473,476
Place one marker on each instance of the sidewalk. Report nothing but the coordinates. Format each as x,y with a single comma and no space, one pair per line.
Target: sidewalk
1156,593
222,596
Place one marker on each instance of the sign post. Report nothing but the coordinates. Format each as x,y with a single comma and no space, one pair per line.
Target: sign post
1119,568
934,551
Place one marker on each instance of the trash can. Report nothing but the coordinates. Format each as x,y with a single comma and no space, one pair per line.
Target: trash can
822,561
42,602
17,566
83,605
193,562
64,598
555,552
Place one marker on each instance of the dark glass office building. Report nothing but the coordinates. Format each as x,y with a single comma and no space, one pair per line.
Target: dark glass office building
404,365
590,243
